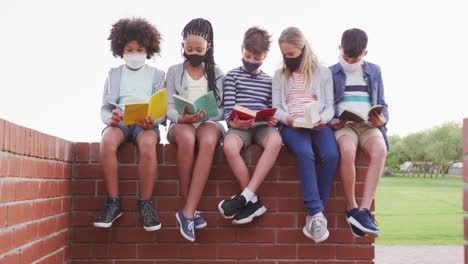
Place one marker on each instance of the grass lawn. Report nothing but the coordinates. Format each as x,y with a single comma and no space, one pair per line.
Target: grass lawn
418,211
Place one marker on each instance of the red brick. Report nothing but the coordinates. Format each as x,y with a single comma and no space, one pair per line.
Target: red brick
337,205
128,172
279,189
292,236
258,262
24,234
94,155
82,251
19,213
26,190
93,262
216,235
197,251
170,203
15,165
211,189
6,136
167,172
31,253
288,173
221,172
316,252
256,152
125,187
277,252
166,188
2,134
132,235
4,157
91,235
465,168
291,204
232,252
134,261
170,153
29,167
361,174
126,153
354,252
228,188
157,251
11,258
253,235
81,152
116,251
83,187
84,203
465,135
465,224
285,157
7,238
169,235
7,190
3,216
271,219
88,171
465,198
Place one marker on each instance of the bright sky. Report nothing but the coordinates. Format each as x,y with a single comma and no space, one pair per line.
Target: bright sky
55,54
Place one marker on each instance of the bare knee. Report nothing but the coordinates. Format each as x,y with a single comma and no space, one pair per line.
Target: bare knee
272,142
347,150
109,143
231,145
376,149
186,138
147,147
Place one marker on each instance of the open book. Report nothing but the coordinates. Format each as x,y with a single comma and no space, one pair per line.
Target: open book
155,107
205,102
245,114
357,117
311,116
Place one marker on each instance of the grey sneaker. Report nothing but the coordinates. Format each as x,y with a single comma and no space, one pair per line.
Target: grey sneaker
316,228
186,226
109,213
149,215
199,221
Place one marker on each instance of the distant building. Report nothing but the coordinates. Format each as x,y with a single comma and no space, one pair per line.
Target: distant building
456,168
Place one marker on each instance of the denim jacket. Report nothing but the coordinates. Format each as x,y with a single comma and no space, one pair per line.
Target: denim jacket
373,79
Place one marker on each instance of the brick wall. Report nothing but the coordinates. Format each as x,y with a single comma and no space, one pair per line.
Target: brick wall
274,238
35,172
465,176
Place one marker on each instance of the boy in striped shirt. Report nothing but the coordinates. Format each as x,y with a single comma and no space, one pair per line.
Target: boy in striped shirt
358,86
250,87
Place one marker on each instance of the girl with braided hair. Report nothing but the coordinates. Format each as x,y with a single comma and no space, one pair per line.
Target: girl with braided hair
195,76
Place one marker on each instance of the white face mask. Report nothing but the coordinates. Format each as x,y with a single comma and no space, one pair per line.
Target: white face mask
135,61
348,67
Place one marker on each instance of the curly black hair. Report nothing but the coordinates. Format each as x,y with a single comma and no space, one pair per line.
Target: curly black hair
126,30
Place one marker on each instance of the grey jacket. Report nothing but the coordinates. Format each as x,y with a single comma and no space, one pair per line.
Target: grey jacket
177,83
322,85
111,92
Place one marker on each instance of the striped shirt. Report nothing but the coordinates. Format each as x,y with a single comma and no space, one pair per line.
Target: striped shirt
355,97
246,89
298,95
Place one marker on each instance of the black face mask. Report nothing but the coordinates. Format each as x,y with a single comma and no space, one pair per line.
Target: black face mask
293,63
194,59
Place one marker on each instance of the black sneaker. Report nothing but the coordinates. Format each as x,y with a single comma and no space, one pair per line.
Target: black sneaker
356,231
148,214
228,208
111,211
247,214
364,221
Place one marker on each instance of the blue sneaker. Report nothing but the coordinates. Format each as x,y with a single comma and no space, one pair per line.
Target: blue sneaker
199,221
186,226
363,220
356,231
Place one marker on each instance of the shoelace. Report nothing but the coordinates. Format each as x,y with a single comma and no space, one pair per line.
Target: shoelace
148,212
190,225
317,222
197,214
372,217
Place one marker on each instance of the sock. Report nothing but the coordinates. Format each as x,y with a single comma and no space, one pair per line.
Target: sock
317,214
254,198
248,194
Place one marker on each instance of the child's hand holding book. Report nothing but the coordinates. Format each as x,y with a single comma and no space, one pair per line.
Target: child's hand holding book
187,118
238,123
116,117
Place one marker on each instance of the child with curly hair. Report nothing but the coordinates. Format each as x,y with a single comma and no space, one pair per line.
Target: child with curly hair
134,40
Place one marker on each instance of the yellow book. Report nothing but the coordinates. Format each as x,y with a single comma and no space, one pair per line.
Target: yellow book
156,108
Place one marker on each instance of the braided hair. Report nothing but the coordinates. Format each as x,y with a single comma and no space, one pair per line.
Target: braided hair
202,27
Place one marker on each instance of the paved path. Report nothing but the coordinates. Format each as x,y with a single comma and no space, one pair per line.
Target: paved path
419,255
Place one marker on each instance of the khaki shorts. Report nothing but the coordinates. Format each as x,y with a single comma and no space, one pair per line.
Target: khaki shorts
360,133
254,135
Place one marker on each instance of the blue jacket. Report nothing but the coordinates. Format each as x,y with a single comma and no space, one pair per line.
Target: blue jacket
373,78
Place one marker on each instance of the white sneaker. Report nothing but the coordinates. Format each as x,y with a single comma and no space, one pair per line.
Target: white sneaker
316,228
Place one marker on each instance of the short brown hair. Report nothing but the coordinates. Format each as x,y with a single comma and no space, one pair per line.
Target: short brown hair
256,40
138,29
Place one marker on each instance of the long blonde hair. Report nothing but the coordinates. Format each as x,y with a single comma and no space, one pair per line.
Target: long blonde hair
309,63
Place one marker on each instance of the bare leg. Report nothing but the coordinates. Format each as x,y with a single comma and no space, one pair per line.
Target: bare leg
347,169
271,147
111,138
146,141
232,147
376,149
207,138
185,139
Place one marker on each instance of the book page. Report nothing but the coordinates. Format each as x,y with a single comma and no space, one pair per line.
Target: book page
180,102
208,103
158,104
